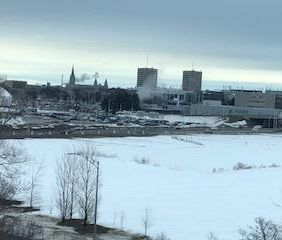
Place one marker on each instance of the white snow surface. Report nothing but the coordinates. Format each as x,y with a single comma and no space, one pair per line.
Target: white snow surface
194,121
15,121
186,200
204,120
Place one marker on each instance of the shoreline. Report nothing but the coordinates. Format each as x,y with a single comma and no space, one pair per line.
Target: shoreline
68,132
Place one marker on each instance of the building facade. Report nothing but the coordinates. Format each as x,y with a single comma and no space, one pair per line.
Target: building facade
147,77
5,98
167,96
192,81
255,99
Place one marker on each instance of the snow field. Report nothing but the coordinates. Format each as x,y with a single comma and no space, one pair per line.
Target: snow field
186,200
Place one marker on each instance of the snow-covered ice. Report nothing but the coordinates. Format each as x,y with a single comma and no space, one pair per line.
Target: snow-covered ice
185,198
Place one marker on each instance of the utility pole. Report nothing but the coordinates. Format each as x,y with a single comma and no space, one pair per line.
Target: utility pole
96,201
109,105
132,103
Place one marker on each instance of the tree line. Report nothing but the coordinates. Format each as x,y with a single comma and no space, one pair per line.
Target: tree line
76,190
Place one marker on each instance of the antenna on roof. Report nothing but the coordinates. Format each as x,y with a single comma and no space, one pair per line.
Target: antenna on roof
147,61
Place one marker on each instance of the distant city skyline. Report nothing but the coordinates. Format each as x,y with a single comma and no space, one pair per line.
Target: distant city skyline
226,40
174,83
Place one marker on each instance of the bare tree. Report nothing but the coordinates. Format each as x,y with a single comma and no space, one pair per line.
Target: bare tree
12,161
78,173
146,221
161,236
122,218
62,187
8,188
76,183
66,185
114,219
212,236
87,183
72,165
3,78
34,180
262,230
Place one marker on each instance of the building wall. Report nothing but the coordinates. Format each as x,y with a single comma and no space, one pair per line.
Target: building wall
167,96
213,95
16,88
147,77
212,102
278,98
192,81
278,101
5,98
15,84
255,99
199,109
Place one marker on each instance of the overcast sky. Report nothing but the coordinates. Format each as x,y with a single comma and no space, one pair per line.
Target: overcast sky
232,40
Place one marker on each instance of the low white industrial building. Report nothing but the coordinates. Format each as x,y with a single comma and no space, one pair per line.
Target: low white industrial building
5,98
167,96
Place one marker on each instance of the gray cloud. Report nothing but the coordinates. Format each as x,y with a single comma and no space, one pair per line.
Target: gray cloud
239,34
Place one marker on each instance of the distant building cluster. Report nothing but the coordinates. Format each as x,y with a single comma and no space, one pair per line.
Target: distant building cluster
148,77
192,100
72,95
154,97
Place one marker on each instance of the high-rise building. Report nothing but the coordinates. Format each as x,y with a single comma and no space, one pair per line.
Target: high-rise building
147,77
192,81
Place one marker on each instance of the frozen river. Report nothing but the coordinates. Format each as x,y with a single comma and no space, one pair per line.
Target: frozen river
186,199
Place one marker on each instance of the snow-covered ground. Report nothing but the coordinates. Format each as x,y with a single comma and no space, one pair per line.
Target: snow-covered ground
185,121
209,121
185,198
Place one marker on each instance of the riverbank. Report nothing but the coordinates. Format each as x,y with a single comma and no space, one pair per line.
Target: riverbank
48,227
188,176
66,131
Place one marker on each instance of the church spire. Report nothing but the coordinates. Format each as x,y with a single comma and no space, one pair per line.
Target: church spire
72,76
95,83
106,83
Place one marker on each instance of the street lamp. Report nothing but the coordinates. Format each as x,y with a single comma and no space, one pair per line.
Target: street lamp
96,199
96,164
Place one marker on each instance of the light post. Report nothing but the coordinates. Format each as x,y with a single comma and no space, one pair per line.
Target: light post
96,200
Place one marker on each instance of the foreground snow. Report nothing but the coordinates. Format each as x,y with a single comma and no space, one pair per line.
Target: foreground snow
186,199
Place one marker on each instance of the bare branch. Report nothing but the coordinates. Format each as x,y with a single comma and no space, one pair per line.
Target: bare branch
146,221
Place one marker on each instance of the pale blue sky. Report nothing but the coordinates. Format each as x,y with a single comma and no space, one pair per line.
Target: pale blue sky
233,40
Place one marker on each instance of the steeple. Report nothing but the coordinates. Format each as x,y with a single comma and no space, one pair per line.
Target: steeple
106,83
72,76
95,83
